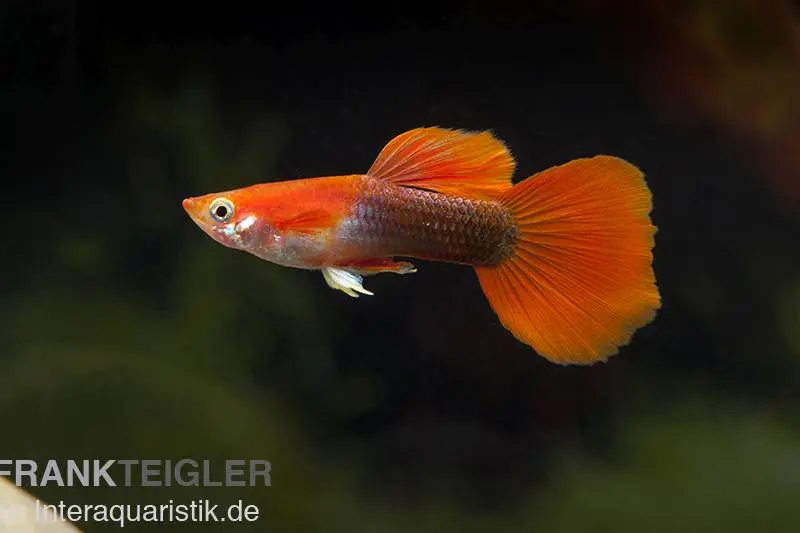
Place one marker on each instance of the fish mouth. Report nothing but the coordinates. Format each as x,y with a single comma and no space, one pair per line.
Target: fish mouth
190,206
194,207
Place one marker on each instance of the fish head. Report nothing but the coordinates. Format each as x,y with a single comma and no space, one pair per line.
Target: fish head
282,222
230,219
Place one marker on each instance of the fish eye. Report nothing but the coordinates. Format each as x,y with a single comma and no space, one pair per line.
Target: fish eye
221,209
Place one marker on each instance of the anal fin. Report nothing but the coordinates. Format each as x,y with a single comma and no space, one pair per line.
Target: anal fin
369,267
348,277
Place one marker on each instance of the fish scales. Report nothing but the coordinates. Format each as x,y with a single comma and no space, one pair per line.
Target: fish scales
387,220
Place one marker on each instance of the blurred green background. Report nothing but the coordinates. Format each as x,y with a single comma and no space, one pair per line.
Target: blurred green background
127,333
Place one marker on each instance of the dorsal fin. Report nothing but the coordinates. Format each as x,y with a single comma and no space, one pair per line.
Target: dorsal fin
454,162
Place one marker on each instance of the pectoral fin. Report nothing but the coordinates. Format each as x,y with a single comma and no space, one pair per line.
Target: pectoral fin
307,222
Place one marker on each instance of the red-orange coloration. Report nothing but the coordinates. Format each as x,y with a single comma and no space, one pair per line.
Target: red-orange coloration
564,257
580,280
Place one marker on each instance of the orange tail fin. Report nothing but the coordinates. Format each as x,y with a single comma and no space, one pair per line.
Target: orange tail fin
581,281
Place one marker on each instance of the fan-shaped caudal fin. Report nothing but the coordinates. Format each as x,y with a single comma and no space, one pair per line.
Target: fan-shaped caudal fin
454,162
580,281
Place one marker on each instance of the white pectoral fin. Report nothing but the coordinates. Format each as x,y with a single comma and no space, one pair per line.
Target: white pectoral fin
344,280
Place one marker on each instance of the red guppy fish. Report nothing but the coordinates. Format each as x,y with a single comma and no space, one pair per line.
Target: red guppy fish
563,257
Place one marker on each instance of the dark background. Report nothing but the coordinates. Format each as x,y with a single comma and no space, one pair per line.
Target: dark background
128,333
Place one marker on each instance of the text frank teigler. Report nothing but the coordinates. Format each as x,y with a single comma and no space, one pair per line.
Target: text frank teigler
27,473
136,472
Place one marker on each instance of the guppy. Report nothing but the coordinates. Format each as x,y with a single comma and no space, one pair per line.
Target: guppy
564,257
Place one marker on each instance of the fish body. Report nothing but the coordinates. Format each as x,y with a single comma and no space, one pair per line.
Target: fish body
564,257
390,220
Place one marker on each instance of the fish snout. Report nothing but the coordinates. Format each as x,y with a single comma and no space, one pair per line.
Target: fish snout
192,206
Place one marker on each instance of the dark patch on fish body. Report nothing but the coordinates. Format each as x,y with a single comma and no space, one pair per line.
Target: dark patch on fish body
388,220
